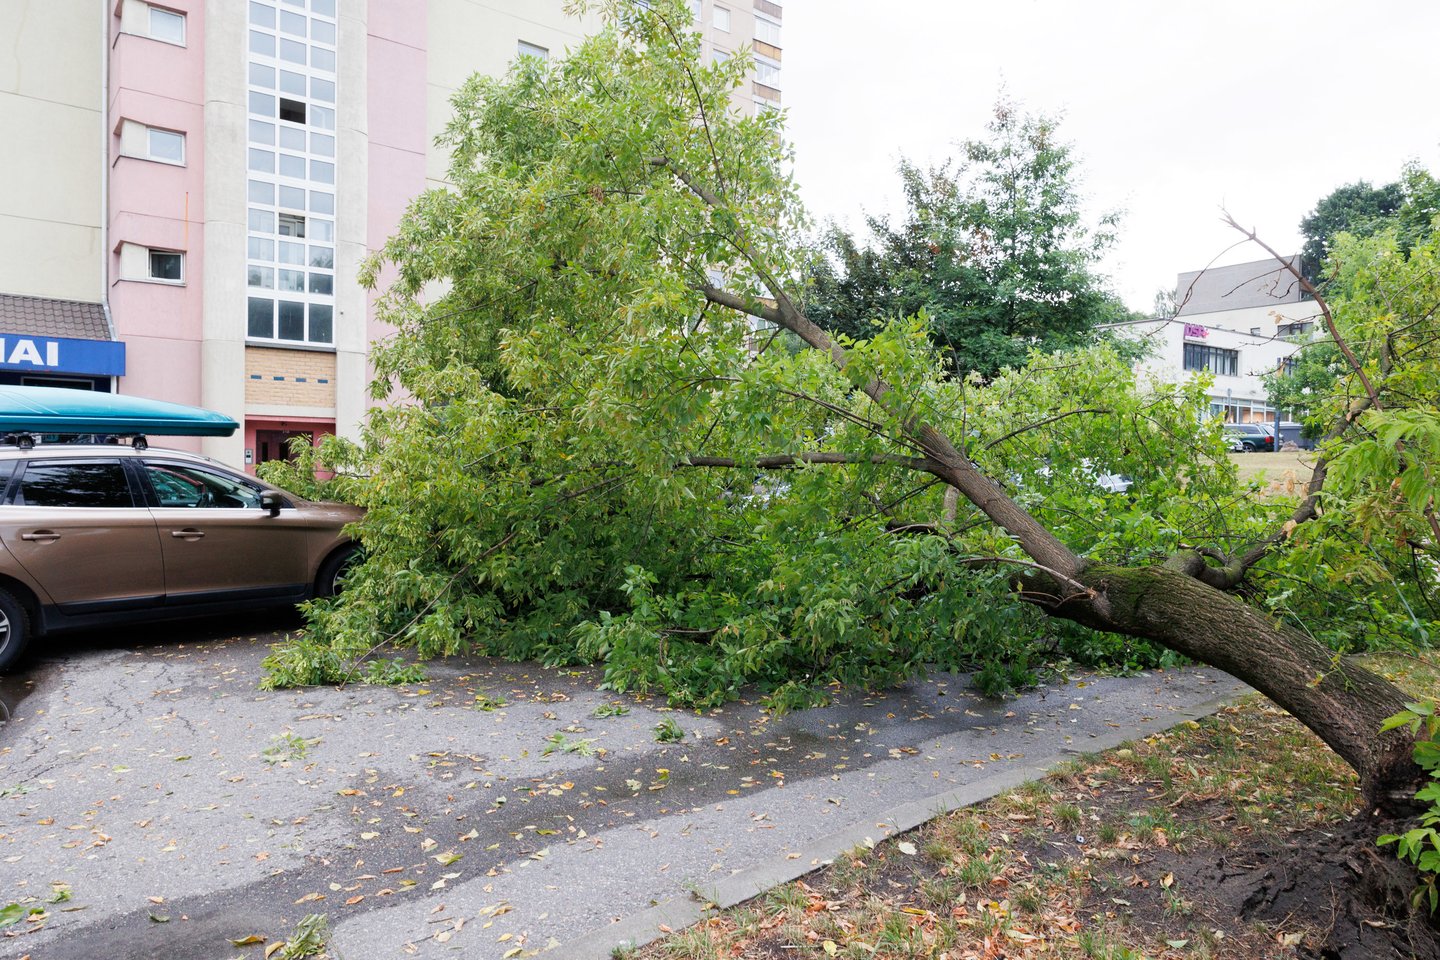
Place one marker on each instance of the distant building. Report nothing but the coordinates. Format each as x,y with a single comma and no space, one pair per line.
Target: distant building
1239,322
190,186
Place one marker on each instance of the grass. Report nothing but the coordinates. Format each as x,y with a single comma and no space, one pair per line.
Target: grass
1286,471
1014,878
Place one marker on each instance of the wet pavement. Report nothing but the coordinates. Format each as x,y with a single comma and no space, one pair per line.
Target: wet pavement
177,807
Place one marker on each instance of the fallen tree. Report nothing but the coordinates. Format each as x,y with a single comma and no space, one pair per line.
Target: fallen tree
630,444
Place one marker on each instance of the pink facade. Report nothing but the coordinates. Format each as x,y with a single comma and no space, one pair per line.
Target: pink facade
158,205
397,50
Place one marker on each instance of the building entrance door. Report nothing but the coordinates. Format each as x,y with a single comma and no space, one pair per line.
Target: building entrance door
275,444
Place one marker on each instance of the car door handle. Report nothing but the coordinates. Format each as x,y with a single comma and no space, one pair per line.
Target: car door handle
43,536
189,533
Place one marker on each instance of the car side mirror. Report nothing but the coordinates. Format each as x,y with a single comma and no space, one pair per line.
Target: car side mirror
270,500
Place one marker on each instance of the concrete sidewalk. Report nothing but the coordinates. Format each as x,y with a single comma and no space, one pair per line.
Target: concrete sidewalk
185,808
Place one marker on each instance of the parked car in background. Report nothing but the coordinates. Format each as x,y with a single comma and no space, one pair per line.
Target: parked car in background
99,535
1252,436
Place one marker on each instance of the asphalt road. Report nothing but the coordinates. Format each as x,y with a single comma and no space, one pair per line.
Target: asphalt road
182,808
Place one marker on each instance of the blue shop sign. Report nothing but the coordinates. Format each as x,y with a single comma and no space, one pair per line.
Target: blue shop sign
62,355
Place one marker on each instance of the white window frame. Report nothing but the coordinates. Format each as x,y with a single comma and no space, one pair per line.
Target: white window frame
150,151
314,215
524,48
149,266
719,14
151,9
135,264
770,22
135,142
762,61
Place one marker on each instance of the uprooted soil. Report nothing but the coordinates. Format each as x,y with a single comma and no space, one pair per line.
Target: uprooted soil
1324,893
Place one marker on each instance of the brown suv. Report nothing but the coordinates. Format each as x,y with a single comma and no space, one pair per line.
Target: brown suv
93,535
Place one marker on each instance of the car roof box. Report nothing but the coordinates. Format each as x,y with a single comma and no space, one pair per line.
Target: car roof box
63,411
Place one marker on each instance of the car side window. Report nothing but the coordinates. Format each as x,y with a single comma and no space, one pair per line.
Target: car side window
94,484
182,485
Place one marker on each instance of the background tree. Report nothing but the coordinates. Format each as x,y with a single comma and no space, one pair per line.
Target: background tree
1408,206
993,249
1356,208
1404,212
603,461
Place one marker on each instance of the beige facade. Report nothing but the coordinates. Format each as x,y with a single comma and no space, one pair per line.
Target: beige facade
51,213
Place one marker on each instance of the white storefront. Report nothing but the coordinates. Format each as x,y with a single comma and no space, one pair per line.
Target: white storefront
1239,322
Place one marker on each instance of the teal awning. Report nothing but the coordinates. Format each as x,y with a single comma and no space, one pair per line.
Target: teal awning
58,410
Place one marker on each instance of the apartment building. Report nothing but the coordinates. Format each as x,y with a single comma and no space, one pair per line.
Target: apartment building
1239,323
196,183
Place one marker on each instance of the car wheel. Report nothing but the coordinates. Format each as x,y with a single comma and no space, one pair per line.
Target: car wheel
333,572
14,630
1249,447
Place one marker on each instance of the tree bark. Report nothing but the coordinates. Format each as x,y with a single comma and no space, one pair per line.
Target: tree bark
1343,703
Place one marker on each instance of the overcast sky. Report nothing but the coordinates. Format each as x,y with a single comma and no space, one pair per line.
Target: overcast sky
1173,108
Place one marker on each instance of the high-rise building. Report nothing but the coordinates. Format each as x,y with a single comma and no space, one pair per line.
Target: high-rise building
192,185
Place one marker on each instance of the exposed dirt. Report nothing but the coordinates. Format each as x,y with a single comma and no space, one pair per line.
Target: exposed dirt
1324,894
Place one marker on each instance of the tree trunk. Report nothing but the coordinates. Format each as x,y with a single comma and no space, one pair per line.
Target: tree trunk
1344,704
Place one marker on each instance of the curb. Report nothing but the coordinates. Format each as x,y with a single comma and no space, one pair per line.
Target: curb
642,928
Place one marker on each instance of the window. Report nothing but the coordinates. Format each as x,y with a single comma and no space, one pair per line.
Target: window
151,143
533,50
181,485
720,19
292,167
292,110
166,146
292,320
292,139
292,23
261,318
167,266
767,30
321,316
767,72
292,82
1217,360
719,56
696,12
1254,331
291,283
167,26
1290,330
291,225
92,484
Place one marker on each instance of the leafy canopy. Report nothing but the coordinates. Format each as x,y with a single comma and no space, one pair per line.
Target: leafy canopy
587,459
993,249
